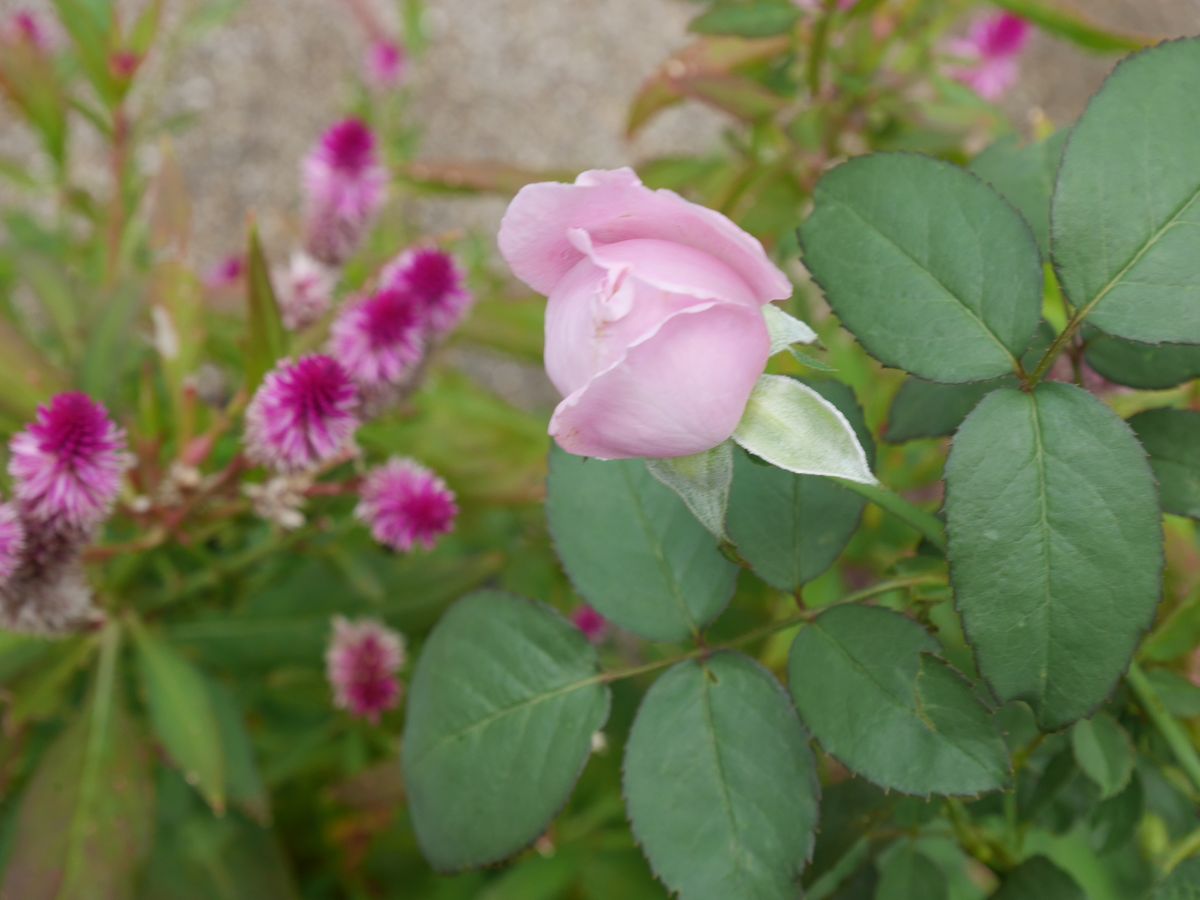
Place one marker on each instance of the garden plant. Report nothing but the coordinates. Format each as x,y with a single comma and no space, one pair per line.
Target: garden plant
857,557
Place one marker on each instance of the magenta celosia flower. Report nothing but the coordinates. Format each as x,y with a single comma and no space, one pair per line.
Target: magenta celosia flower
67,465
345,185
380,339
434,278
405,504
593,625
361,664
228,273
303,414
26,27
12,540
385,64
124,63
304,291
989,54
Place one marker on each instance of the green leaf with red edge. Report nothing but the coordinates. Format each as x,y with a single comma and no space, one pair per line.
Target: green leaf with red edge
266,338
762,19
85,820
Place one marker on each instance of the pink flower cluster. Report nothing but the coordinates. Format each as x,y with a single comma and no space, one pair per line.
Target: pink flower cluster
362,663
405,505
66,469
345,186
988,54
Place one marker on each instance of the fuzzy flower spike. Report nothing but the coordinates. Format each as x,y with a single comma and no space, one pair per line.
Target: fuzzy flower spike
405,504
379,340
436,280
989,54
345,185
12,541
67,465
303,414
361,664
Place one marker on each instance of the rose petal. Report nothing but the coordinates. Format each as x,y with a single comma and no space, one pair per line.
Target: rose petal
678,391
614,206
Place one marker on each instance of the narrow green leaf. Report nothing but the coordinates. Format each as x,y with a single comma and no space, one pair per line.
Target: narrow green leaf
1104,752
868,687
1024,175
720,783
85,819
791,528
266,339
702,482
1146,366
754,20
181,710
790,425
632,548
1038,879
906,874
1172,438
503,705
926,265
1049,16
243,778
1126,240
1055,546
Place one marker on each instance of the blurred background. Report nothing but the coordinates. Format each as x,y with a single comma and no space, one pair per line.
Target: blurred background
542,84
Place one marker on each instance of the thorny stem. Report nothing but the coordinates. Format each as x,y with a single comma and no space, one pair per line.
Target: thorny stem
767,630
1176,738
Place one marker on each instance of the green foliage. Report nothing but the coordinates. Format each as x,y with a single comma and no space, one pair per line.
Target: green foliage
720,783
1171,437
867,682
1103,752
791,528
945,280
632,548
1055,545
503,707
1125,212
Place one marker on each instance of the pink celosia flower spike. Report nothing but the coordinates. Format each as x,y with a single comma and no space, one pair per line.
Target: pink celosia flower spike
304,291
361,664
345,185
385,65
303,414
12,541
379,340
434,278
26,27
593,625
67,465
405,504
228,273
989,54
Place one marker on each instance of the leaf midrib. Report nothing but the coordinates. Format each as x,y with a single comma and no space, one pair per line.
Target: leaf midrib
932,274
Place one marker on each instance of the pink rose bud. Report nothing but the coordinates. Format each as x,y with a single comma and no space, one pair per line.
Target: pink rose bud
655,335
